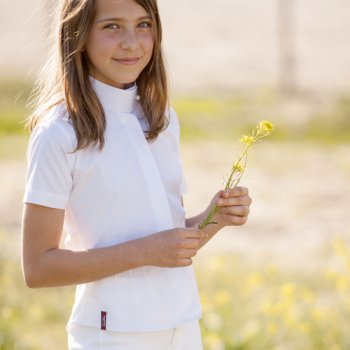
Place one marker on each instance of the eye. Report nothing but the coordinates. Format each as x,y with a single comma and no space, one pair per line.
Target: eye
112,26
145,25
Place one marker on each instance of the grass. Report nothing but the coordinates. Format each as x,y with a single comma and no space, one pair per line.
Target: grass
13,100
304,118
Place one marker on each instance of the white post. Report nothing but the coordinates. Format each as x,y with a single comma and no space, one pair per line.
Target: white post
287,52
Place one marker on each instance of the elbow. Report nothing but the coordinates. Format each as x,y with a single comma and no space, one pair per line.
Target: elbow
32,278
30,281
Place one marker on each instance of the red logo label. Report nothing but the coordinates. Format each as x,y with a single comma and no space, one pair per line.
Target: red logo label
103,320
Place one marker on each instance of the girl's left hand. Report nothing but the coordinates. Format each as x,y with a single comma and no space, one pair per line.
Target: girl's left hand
234,206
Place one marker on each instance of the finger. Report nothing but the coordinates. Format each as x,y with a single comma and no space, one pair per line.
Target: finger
235,192
185,262
235,210
188,253
190,243
234,220
194,233
231,201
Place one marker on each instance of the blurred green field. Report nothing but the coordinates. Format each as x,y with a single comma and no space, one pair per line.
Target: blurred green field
304,117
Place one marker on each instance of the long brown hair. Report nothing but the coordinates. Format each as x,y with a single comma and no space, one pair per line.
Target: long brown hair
65,77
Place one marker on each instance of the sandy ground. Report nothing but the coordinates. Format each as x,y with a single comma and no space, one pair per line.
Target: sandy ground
301,199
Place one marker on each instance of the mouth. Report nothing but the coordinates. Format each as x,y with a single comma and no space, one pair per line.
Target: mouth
128,61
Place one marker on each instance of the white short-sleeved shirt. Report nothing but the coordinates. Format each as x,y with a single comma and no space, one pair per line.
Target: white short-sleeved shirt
128,190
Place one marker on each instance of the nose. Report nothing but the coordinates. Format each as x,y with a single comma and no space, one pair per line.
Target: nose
130,40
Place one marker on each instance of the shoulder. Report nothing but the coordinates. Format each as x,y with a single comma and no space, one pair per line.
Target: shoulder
171,133
55,129
173,121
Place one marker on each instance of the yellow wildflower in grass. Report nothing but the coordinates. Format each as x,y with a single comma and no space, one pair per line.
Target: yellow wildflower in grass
340,247
263,129
330,274
207,306
254,281
212,341
222,297
288,290
342,283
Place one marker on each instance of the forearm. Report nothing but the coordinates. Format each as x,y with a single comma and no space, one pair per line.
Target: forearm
46,265
59,267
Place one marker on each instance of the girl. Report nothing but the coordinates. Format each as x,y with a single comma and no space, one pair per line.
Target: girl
104,167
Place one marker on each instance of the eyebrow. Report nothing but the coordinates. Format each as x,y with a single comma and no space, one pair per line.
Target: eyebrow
117,19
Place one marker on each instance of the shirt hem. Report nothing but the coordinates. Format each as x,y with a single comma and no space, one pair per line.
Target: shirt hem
164,327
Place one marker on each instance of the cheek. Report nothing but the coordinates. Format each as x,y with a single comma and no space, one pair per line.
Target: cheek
97,46
148,45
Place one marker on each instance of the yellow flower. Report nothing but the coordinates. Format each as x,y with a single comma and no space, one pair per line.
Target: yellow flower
263,129
342,283
288,290
222,297
247,139
254,281
340,247
265,126
238,167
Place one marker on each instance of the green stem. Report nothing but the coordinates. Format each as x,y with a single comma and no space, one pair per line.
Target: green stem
210,216
229,183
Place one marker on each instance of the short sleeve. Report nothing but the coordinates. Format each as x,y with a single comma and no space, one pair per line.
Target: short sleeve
175,126
49,179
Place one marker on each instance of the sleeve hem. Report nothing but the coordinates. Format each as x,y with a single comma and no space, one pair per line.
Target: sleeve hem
46,199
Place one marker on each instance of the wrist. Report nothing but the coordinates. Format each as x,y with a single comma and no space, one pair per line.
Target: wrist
145,250
212,229
138,252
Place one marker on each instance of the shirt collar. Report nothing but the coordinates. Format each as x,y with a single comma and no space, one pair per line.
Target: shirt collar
114,99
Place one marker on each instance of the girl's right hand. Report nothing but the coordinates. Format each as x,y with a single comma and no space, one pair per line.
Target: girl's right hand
173,248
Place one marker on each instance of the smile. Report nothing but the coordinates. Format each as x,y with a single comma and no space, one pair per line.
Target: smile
128,61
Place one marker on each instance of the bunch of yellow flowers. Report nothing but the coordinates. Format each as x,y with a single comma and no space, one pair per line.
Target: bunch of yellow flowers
263,129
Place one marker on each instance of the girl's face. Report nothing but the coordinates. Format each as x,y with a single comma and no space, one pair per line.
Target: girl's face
120,43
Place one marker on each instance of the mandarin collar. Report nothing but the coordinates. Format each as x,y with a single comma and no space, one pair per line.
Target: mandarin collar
114,99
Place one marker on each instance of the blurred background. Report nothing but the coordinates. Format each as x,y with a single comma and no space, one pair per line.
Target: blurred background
280,282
